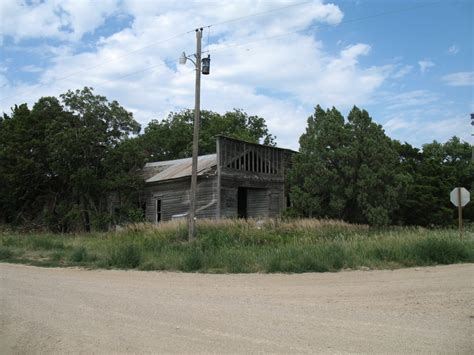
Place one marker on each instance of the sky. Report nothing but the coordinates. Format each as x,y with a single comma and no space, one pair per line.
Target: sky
408,63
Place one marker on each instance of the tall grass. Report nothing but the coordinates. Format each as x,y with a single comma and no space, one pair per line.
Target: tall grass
243,246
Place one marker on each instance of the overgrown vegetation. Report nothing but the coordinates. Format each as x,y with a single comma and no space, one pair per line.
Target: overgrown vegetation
238,246
62,161
350,169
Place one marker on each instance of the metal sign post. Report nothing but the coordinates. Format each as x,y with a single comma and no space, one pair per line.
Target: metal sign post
460,215
460,197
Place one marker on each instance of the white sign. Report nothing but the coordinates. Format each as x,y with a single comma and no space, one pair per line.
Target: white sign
465,196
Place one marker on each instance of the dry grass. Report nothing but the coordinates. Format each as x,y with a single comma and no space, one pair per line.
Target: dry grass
235,245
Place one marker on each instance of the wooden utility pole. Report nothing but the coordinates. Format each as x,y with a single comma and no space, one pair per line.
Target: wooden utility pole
197,111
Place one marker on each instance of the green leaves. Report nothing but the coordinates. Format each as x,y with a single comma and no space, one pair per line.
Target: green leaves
346,170
172,137
56,159
351,170
434,172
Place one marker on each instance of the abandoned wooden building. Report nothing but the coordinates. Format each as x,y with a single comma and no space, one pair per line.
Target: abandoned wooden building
242,179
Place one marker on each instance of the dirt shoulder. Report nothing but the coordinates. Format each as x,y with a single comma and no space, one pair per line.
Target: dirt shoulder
75,310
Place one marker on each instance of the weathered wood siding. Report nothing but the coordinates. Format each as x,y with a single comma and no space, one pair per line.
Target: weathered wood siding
258,203
264,199
174,196
228,202
150,210
260,169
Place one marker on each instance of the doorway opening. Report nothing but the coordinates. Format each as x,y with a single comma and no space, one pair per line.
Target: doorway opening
242,202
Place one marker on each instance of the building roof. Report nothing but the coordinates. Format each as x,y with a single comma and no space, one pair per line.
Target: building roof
179,168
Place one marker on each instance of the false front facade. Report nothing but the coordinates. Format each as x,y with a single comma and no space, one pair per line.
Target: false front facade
242,180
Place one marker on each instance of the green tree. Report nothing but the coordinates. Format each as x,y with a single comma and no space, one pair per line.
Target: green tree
172,137
319,174
346,170
61,159
435,171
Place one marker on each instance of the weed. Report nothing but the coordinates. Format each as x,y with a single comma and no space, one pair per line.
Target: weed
5,253
46,243
441,251
193,261
126,256
240,246
78,254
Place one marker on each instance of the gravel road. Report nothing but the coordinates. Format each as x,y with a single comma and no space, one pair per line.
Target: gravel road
109,311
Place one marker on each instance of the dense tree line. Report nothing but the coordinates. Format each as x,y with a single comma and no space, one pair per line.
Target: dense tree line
61,161
351,170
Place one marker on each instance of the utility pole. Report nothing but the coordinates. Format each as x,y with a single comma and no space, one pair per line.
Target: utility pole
197,111
206,64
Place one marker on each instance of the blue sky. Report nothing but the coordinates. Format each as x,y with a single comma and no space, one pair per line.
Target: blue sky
409,63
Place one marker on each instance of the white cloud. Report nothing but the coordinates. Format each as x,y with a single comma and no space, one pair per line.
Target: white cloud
403,71
423,126
453,49
459,79
280,79
421,116
31,69
63,20
410,99
425,65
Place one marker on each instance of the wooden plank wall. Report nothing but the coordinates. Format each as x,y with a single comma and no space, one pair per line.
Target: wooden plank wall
251,160
261,169
264,199
229,202
258,203
174,197
150,209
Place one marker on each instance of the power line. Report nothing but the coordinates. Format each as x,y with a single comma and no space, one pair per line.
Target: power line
302,30
223,47
151,44
97,65
258,14
253,15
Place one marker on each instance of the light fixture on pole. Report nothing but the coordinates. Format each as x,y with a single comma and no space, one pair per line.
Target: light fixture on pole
182,59
197,101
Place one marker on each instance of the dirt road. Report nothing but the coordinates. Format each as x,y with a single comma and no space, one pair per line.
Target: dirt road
73,310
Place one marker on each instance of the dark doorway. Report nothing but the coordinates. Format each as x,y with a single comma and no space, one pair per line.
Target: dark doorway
242,202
